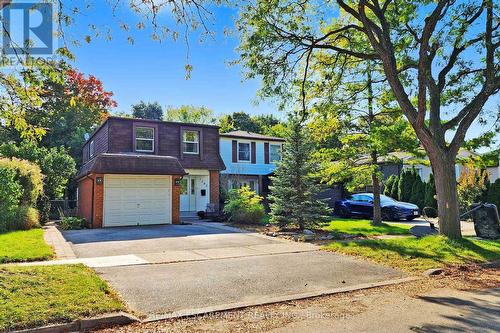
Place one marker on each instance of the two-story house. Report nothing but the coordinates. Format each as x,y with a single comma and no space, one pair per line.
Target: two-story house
249,158
138,172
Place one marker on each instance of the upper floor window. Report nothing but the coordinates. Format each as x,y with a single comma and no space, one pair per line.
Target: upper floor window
145,139
275,153
244,151
191,142
91,149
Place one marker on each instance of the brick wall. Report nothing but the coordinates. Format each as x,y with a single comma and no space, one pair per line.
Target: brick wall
214,187
176,201
98,202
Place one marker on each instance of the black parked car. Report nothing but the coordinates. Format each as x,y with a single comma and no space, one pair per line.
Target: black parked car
361,205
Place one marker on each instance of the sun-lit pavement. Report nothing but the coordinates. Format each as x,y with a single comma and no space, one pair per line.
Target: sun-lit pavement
206,265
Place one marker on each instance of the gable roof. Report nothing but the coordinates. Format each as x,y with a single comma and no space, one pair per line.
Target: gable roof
250,135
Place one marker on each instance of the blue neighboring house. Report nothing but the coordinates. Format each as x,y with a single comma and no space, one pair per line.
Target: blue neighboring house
250,159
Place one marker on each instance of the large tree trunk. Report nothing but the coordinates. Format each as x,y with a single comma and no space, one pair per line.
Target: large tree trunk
377,210
443,167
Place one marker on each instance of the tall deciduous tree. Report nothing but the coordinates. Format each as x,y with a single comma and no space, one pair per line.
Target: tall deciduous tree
148,110
190,114
440,59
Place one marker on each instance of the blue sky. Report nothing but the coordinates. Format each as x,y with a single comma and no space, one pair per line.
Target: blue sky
153,71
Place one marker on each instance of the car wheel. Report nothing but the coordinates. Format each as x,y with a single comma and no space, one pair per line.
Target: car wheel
387,216
343,212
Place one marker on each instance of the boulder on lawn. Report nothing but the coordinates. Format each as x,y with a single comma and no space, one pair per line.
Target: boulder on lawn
486,221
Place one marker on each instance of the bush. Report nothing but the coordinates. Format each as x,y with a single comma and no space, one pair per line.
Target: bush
43,205
493,195
389,183
430,193
470,185
10,196
25,218
244,206
73,223
28,175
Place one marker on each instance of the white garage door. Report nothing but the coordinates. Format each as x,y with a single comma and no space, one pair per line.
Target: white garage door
137,200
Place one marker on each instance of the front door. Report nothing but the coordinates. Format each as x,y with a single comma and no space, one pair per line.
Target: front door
188,194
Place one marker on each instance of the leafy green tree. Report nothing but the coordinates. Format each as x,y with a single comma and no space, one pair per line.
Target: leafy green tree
417,196
263,124
190,114
395,189
294,188
148,110
405,185
439,59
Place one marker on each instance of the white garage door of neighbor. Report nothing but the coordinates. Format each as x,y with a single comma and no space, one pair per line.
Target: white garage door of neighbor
137,200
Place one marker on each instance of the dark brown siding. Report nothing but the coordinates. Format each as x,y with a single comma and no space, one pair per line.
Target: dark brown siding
254,153
168,142
266,152
235,151
100,139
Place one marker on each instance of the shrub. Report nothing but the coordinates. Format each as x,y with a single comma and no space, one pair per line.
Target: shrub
430,192
25,218
418,192
73,223
493,195
28,175
43,206
394,189
389,183
244,206
10,195
405,185
470,186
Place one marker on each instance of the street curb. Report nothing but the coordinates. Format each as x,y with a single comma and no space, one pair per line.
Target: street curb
272,300
110,319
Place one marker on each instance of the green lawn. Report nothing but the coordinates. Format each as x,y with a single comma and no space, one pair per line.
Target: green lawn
32,296
364,228
414,255
24,246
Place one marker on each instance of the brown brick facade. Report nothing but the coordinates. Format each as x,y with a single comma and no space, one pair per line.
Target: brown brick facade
176,201
90,203
214,187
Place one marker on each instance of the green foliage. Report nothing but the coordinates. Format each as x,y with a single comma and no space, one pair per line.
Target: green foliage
493,195
190,114
21,186
10,195
395,189
417,196
294,186
389,184
25,218
72,223
244,206
430,195
470,186
405,184
148,110
55,163
263,124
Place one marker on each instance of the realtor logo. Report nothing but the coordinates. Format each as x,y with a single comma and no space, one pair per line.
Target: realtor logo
27,28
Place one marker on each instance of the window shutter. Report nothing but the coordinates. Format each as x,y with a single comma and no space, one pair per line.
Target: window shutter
254,153
266,152
235,151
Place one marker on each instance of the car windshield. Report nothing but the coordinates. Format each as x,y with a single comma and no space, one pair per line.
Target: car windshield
386,199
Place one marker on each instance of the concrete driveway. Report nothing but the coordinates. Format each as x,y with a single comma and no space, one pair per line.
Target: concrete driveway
187,269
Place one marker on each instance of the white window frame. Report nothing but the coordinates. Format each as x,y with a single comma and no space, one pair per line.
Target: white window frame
197,142
91,149
145,139
249,150
280,150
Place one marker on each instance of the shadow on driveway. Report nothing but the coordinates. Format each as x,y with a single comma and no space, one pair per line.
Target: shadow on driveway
141,233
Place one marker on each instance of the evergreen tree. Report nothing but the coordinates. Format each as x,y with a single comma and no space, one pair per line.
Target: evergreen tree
405,185
389,183
494,193
430,192
294,188
394,189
